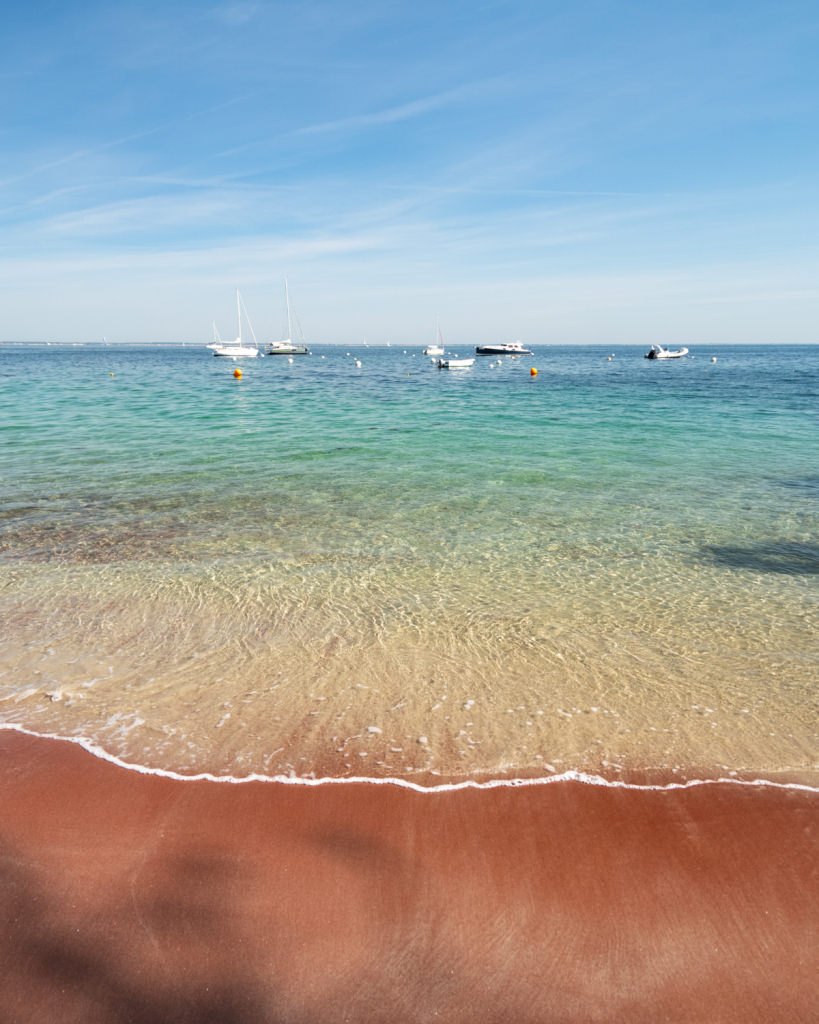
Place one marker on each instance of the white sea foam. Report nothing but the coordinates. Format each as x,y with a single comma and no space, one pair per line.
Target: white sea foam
448,787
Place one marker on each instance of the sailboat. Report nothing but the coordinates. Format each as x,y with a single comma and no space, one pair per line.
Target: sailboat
235,349
436,349
287,346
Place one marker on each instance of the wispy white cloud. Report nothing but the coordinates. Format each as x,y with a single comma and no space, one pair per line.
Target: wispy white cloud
143,216
77,155
235,14
107,145
405,111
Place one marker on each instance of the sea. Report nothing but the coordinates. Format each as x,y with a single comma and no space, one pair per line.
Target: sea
356,565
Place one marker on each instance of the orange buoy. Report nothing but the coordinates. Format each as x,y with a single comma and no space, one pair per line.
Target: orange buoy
533,372
237,373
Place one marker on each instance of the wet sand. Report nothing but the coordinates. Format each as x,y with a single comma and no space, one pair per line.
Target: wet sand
131,897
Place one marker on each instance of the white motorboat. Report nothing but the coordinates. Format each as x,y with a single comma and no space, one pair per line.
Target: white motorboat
288,347
510,348
658,352
235,349
450,364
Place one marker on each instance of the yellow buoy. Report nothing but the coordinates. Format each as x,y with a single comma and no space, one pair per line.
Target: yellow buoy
533,372
237,373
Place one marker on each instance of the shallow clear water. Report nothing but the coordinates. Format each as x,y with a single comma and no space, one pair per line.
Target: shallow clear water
395,569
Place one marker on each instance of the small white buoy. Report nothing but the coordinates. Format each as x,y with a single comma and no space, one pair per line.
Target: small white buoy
290,360
713,359
358,362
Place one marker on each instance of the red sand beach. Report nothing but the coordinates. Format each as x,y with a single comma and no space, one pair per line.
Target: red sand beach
129,897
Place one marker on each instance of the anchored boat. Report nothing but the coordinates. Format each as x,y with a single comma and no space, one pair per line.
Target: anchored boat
449,364
658,352
288,347
511,348
437,348
235,349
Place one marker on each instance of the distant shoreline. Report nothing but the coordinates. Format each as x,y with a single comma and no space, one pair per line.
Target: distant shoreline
538,346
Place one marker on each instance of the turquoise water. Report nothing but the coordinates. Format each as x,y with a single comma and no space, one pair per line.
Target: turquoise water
395,569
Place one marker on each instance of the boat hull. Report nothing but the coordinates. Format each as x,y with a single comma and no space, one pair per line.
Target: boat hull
663,353
236,353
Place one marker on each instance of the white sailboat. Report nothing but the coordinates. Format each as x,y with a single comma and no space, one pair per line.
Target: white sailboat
235,349
288,347
436,349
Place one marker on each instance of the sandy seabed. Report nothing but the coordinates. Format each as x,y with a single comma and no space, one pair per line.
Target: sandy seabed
129,897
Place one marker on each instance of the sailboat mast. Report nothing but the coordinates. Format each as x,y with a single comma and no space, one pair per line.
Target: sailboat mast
287,301
239,315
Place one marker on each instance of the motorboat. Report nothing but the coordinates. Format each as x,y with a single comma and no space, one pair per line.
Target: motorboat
287,348
450,364
510,348
235,349
658,352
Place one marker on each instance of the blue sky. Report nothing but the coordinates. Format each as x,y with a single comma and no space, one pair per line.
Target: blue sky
556,172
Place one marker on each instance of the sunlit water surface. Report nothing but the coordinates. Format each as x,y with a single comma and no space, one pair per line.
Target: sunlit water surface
392,570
